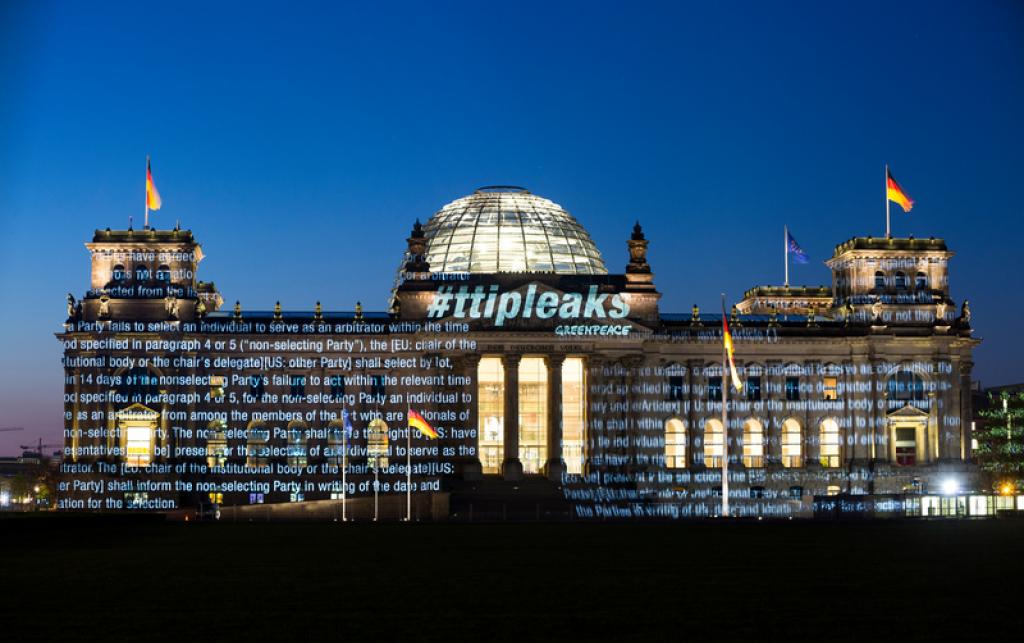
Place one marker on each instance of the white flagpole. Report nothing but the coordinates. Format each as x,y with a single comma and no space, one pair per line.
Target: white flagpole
888,234
145,225
408,467
725,422
344,463
785,244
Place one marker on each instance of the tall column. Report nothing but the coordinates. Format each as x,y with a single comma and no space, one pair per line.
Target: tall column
691,399
555,465
512,467
879,409
471,467
856,399
770,385
734,432
964,407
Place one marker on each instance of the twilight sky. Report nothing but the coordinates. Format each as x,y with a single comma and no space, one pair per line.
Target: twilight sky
300,140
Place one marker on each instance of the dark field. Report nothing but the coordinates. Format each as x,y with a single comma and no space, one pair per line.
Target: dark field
69,579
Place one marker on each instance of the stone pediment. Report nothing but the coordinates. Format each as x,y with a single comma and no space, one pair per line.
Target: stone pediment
907,412
137,412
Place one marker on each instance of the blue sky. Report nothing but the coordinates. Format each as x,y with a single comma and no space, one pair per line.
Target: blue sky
299,141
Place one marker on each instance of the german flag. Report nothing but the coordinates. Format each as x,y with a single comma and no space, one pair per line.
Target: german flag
896,193
420,423
727,338
153,201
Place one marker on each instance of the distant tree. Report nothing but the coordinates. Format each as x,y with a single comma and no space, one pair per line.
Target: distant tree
1000,450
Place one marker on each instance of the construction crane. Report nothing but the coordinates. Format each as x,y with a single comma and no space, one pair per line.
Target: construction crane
39,446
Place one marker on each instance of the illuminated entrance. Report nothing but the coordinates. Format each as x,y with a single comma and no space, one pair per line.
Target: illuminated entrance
136,428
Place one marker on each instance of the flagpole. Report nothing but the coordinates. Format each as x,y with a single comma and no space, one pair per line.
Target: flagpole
785,245
725,423
888,234
408,467
145,225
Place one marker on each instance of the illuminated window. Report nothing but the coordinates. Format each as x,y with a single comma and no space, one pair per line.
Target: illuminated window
296,445
675,444
753,388
714,389
574,407
713,443
138,446
792,444
921,281
833,490
906,446
216,444
901,280
792,388
217,383
491,413
830,388
257,439
753,443
533,413
377,445
879,280
830,443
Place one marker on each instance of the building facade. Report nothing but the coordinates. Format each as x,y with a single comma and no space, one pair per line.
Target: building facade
552,382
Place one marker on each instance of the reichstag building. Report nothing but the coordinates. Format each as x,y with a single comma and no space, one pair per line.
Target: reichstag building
556,382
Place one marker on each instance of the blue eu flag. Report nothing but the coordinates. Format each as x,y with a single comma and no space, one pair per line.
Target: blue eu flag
795,249
346,422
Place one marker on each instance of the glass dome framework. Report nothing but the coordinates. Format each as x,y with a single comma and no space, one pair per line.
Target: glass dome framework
508,229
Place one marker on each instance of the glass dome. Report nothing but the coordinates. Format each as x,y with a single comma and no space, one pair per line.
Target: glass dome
507,229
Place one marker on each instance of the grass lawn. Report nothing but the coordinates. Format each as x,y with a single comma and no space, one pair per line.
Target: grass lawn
72,578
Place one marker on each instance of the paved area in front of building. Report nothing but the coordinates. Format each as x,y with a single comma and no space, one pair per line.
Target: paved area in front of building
121,579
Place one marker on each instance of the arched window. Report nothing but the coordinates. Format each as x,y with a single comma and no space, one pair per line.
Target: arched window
792,444
257,447
713,442
830,443
675,444
138,386
906,386
163,274
335,443
491,412
753,443
141,272
216,444
921,281
118,273
901,280
296,445
879,280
